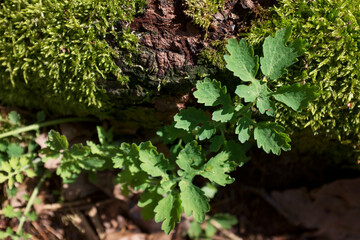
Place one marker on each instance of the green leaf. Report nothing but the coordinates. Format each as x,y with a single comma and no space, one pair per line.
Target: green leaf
32,216
3,178
14,163
26,197
194,230
56,141
131,175
4,235
212,94
104,136
153,163
243,129
94,149
193,200
14,150
190,158
237,153
265,105
248,92
148,201
216,168
10,212
209,190
241,60
206,131
37,201
189,118
11,182
175,150
271,137
278,55
91,163
19,178
30,173
14,117
168,210
170,133
296,96
216,143
3,146
259,92
224,114
9,231
11,192
127,154
225,220
210,230
5,166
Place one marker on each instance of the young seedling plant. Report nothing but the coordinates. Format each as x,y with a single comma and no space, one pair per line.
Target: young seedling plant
167,183
201,139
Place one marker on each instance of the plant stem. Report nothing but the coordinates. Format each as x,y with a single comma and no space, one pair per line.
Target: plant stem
36,126
31,201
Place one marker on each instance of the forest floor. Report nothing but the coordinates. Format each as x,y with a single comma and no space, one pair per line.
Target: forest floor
306,193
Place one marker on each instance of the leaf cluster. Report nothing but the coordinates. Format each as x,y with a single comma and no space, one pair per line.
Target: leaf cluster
255,94
13,235
14,165
78,158
167,182
9,212
331,61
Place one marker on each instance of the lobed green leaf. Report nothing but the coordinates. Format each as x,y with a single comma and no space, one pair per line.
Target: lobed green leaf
216,168
193,200
243,129
212,94
278,55
57,142
189,118
148,202
241,60
296,96
271,137
153,163
168,210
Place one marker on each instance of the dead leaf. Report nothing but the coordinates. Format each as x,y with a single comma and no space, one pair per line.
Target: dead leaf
125,236
333,209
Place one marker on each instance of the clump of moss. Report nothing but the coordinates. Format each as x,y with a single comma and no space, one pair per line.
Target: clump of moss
202,11
332,62
214,54
57,53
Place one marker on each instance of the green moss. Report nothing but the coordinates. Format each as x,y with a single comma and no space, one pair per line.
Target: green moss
56,54
332,62
202,11
214,54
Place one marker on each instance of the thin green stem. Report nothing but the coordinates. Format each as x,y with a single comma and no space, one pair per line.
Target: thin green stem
37,126
31,201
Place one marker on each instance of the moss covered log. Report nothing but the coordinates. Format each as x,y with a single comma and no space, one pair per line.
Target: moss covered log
56,54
